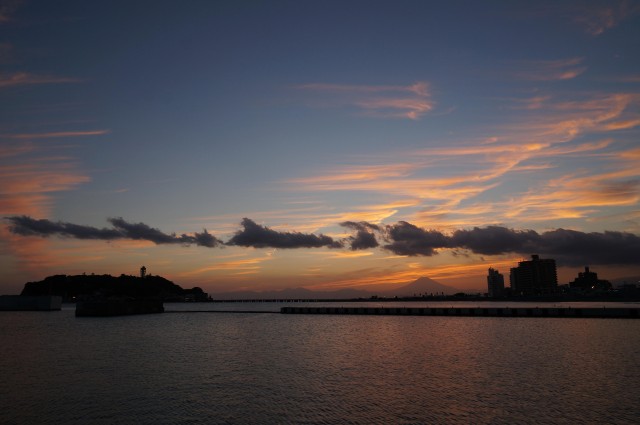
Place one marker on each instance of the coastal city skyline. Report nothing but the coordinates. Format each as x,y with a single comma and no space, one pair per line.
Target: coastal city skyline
263,146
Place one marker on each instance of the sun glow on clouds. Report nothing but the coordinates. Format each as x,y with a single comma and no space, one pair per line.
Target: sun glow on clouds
242,266
27,182
536,148
311,219
30,176
550,70
345,255
411,101
598,19
25,78
58,134
30,173
384,273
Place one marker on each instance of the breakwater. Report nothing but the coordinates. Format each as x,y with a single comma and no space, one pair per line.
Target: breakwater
557,312
30,303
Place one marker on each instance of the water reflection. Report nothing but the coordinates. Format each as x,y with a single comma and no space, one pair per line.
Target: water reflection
272,368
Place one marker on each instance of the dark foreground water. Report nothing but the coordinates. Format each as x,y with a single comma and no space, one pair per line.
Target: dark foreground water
243,368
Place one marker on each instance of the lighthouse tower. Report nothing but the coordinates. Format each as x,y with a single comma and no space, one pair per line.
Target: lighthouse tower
143,272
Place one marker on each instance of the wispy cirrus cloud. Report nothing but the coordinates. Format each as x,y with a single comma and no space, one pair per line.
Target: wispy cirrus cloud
314,218
385,101
622,125
564,120
628,79
630,155
30,176
27,185
579,195
53,135
359,174
26,78
484,180
531,103
13,150
420,88
549,70
599,18
347,255
30,173
242,266
586,189
8,9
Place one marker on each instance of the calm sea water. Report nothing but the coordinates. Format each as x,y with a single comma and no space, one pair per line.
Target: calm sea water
249,368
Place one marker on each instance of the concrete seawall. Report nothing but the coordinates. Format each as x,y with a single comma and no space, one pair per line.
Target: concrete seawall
557,312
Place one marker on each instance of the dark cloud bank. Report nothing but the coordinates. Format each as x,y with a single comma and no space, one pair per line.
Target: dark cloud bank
257,236
568,247
27,226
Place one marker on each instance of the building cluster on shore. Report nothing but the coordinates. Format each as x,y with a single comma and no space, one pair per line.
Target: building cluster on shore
539,277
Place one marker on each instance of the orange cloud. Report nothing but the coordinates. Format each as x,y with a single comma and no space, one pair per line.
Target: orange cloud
577,196
401,108
15,150
33,136
8,9
622,125
489,161
392,272
631,155
550,70
27,185
597,19
412,101
345,255
238,267
566,120
28,180
419,88
28,175
360,173
309,219
25,78
532,103
459,195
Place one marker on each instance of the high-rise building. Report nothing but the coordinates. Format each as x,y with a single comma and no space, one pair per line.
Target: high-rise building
534,277
588,281
495,283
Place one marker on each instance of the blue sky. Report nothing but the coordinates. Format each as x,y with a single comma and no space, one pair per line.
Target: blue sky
300,116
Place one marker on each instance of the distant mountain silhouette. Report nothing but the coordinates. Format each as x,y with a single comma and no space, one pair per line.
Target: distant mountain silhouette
292,294
421,286
626,280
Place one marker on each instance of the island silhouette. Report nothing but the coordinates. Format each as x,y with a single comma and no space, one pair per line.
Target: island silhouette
73,287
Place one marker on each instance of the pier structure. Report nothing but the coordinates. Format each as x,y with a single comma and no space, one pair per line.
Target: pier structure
280,300
557,312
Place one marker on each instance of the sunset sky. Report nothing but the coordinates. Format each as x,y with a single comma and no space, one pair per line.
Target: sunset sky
321,144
